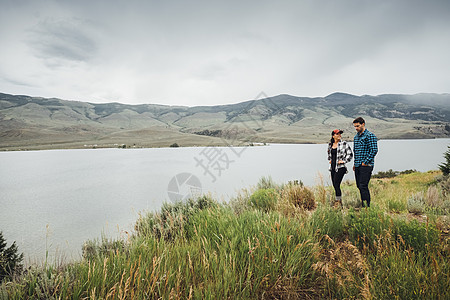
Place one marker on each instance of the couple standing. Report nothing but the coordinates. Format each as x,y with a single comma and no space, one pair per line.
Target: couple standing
339,153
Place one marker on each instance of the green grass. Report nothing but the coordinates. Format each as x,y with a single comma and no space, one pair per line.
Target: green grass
265,244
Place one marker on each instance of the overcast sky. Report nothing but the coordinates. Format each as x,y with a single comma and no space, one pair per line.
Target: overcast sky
220,52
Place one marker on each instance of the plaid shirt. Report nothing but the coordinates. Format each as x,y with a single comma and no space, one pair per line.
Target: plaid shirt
344,153
365,148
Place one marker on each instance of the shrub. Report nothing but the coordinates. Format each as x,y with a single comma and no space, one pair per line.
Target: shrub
385,174
410,171
397,273
264,199
444,183
266,183
445,167
48,283
329,221
346,271
365,226
416,203
446,206
300,196
414,234
391,173
10,259
443,223
93,248
241,202
350,198
296,182
396,206
288,209
244,256
170,222
321,191
432,197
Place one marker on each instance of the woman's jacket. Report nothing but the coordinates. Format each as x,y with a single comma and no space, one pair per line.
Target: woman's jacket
344,153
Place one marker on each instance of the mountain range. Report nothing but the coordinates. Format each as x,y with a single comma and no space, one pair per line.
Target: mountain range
47,123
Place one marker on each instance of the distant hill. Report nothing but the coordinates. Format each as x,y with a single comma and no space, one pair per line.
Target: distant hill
40,123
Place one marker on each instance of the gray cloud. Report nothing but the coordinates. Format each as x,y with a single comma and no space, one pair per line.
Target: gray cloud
8,79
62,39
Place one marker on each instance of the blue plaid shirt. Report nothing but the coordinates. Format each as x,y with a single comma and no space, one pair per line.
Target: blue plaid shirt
365,148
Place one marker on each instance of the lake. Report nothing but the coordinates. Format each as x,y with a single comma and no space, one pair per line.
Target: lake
52,201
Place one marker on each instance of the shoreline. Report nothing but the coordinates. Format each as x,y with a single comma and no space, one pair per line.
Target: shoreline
187,145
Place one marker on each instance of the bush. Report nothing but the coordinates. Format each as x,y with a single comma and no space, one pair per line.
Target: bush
296,182
433,198
240,203
266,183
414,234
391,173
446,206
410,171
346,271
385,174
445,167
300,196
264,199
416,203
366,226
93,248
10,259
444,183
396,206
350,198
170,222
327,220
397,273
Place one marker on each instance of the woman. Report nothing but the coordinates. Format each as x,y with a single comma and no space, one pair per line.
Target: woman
339,153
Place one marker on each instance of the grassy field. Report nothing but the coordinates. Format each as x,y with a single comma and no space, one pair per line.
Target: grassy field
273,241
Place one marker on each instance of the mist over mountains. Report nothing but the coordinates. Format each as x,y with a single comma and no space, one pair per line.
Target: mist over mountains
45,123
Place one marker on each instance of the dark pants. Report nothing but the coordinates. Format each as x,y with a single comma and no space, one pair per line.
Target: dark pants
362,177
336,178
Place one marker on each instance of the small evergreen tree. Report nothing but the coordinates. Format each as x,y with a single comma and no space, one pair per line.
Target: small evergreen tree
10,259
445,167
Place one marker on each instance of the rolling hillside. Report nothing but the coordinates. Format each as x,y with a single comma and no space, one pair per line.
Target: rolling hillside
39,123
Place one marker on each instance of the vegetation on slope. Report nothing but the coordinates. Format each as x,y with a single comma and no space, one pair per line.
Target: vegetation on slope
273,241
39,123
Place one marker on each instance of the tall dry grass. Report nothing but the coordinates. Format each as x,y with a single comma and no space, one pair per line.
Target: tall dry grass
245,250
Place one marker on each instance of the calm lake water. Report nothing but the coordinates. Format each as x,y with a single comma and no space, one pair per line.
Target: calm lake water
52,201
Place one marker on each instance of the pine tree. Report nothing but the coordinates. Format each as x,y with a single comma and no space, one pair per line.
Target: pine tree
445,167
10,259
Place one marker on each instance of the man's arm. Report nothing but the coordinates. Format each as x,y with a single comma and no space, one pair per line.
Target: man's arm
373,149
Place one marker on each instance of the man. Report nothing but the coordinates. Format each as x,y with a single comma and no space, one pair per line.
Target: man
365,148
